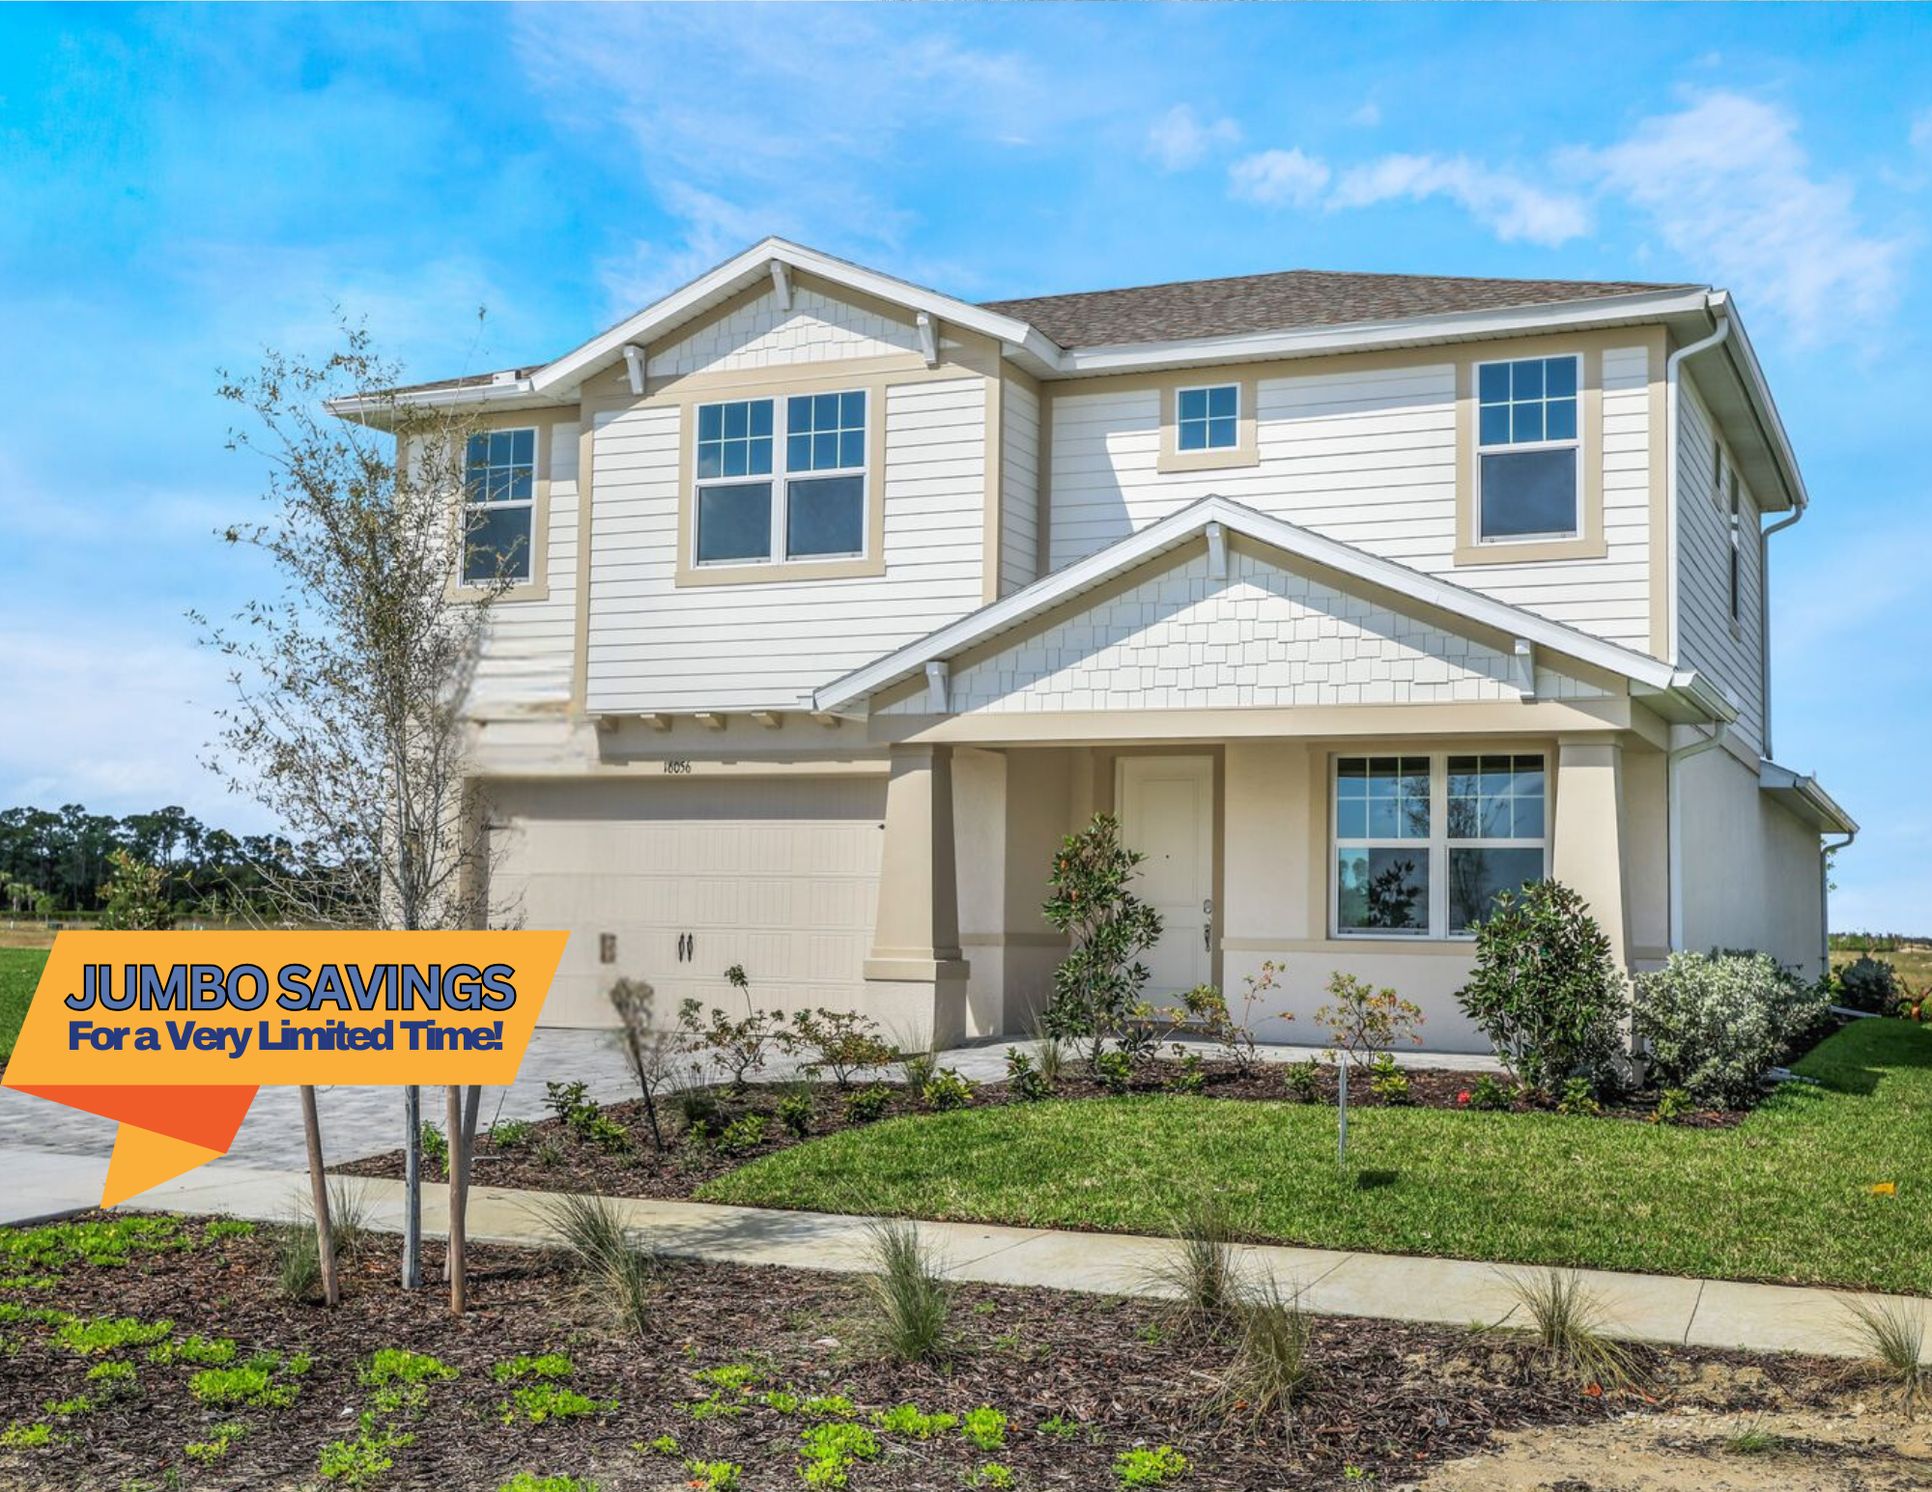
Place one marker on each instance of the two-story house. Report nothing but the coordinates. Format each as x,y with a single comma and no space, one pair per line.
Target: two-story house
1357,598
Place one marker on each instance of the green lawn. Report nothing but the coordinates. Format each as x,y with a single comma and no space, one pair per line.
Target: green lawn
1785,1196
19,973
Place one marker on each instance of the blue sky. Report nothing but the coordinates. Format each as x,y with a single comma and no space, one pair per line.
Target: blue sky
180,187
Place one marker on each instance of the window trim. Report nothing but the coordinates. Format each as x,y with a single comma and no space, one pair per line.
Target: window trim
1244,452
1435,850
1590,541
1573,444
1735,580
775,567
537,586
1209,418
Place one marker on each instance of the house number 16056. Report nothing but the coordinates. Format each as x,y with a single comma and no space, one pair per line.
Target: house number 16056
677,767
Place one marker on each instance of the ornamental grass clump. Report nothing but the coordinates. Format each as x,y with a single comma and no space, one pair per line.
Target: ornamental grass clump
618,1272
1892,1334
1195,1274
910,1303
1566,1321
1272,1369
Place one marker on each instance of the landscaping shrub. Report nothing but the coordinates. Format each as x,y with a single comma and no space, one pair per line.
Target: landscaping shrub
1716,1023
1096,989
946,1089
864,1105
1303,1080
1487,1093
911,1303
1271,1368
1546,989
738,1047
841,1042
1114,1071
1870,984
1023,1078
1389,1082
619,1273
1192,1078
1364,1021
742,1135
1204,1011
1196,1274
795,1111
570,1102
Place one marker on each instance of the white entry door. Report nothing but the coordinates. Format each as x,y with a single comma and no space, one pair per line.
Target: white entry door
1167,813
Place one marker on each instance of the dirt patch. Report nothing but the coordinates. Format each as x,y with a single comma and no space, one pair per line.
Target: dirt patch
1080,1380
555,1156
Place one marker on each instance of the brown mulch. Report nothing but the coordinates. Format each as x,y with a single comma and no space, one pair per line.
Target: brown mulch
1386,1397
554,1157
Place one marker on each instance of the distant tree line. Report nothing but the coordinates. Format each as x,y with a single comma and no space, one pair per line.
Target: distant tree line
61,861
1867,942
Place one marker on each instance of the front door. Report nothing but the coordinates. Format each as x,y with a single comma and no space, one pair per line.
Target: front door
1167,813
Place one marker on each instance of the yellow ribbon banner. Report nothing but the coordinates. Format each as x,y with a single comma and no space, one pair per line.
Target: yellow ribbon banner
171,1033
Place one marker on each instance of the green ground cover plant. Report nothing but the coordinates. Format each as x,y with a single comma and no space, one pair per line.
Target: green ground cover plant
19,973
1532,1188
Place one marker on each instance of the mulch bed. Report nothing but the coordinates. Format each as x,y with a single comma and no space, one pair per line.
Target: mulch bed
1387,1398
555,1157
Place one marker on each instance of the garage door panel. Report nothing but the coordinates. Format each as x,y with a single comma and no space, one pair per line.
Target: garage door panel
779,875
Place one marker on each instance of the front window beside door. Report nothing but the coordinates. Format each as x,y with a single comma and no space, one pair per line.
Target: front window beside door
1423,843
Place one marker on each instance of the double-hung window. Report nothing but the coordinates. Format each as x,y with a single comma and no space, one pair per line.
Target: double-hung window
499,509
1207,419
781,479
1422,844
1528,449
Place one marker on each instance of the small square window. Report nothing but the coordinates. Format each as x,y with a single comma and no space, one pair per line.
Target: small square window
1207,419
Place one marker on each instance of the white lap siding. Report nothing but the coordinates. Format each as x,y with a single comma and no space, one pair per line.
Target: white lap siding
654,645
525,663
1019,557
1367,457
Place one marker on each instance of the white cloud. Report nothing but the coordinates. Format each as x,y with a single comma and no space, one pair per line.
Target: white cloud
1368,116
1511,207
1729,189
1179,138
1278,178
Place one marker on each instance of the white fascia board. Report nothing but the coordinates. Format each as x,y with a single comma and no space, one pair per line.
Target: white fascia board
1744,358
1179,528
1773,778
1357,336
748,268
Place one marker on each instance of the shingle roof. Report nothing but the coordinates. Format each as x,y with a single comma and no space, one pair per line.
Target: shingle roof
1186,309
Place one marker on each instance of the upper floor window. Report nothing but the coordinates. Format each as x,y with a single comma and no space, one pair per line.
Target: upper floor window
500,478
1528,449
815,462
1424,844
1207,419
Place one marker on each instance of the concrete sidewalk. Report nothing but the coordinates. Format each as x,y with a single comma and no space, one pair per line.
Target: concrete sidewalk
1655,1308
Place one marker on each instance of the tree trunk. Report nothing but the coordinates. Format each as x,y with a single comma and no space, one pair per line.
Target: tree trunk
472,1101
458,1199
412,1250
319,1189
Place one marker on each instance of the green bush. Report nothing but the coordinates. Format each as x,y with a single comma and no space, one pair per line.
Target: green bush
742,1135
795,1112
1487,1093
864,1105
1096,988
1114,1071
1192,1078
1303,1080
1388,1082
1024,1079
946,1089
1870,984
511,1134
1149,1467
1546,989
1715,1023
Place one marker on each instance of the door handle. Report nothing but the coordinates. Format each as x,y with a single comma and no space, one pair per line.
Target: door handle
1207,937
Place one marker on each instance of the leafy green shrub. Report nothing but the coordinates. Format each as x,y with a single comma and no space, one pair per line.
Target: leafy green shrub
992,1474
511,1134
1672,1104
1578,1098
830,1449
216,1446
113,1374
985,1427
841,1042
26,1437
909,1419
829,1406
208,1352
607,1134
742,1135
1487,1093
228,1227
1097,987
1192,1078
570,1102
1716,1023
1024,1079
1114,1071
391,1365
736,1376
1302,1080
698,1106
796,1112
1546,989
1144,1466
1870,984
252,1385
1389,1082
946,1089
529,1481
737,1047
435,1147
864,1105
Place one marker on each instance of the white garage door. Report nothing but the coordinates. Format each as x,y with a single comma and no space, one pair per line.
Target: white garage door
689,876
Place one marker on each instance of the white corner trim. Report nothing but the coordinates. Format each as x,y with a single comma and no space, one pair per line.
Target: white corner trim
1686,689
939,687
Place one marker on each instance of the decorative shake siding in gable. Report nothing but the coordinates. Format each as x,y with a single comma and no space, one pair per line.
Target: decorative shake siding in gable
762,334
1734,660
526,660
1263,637
654,645
1368,457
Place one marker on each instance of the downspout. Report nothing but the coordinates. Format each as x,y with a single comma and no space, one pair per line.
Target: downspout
1675,830
1825,852
1764,620
1674,419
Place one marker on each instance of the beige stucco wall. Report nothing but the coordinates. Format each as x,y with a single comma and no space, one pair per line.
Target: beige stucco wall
1750,869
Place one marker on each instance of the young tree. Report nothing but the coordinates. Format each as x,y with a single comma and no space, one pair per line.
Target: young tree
350,679
1096,989
654,1053
135,898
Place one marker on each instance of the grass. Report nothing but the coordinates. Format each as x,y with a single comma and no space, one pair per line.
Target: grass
1893,1336
911,1304
19,973
1567,1323
617,1270
1785,1196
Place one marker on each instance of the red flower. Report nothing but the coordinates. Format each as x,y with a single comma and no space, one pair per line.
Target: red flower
1463,1097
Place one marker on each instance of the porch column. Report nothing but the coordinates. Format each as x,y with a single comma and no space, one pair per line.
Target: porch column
915,977
1590,852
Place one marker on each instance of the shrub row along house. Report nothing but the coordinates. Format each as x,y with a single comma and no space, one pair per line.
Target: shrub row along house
1356,598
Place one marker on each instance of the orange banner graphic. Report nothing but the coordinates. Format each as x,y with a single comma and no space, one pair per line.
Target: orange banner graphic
171,1033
